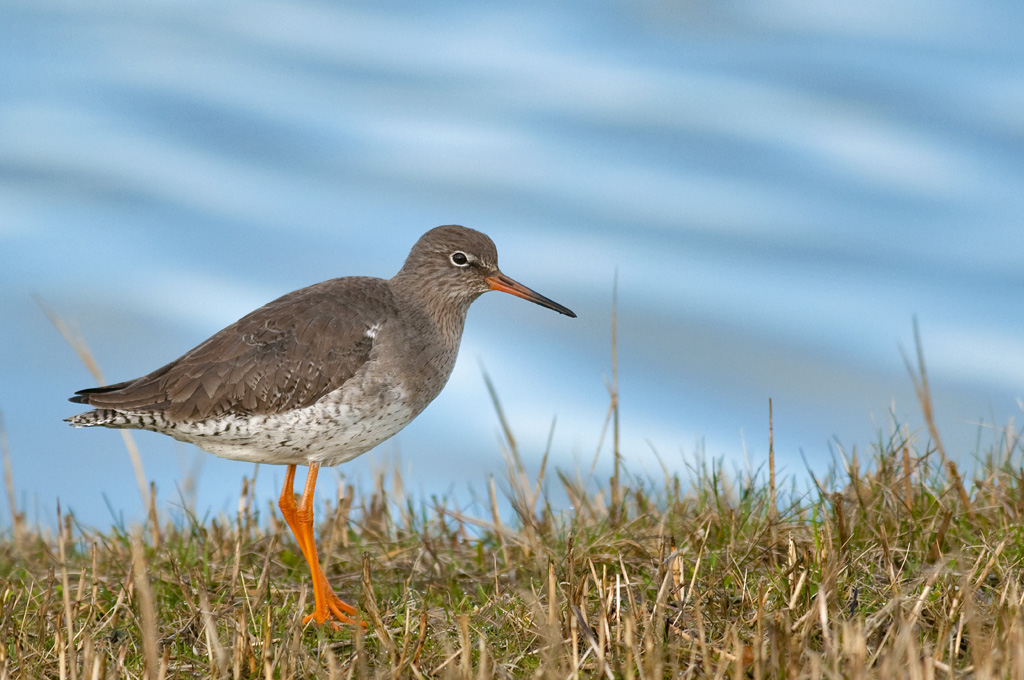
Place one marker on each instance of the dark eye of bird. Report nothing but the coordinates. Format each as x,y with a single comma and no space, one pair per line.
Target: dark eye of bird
459,259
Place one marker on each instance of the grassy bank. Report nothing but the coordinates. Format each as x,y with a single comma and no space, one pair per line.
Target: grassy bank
894,566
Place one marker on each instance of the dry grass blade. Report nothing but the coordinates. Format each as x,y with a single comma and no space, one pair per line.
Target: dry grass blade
373,612
147,606
215,650
616,490
17,518
773,502
69,614
595,645
923,390
78,344
506,429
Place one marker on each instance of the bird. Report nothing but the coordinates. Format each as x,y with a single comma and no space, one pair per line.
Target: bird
319,376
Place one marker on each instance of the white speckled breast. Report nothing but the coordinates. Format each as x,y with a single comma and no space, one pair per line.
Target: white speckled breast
331,431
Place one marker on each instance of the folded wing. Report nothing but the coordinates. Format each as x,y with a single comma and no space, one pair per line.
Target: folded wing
285,355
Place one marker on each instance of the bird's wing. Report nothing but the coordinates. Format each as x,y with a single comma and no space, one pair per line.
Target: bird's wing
285,355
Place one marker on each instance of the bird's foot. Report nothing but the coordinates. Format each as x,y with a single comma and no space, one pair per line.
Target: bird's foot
332,607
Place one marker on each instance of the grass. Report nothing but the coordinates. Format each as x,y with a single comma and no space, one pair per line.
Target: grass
896,564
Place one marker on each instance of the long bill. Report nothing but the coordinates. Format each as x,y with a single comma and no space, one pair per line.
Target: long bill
505,284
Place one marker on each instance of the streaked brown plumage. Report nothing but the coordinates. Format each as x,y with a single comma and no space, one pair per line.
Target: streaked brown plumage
285,355
320,375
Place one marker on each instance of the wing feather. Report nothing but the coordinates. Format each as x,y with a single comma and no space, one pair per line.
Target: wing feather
285,355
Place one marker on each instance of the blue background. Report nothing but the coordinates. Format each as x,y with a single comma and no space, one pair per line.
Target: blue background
780,187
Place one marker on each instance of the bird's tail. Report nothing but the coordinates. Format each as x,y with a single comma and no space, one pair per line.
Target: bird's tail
102,417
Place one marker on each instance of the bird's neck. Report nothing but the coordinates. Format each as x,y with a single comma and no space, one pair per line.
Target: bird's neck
442,313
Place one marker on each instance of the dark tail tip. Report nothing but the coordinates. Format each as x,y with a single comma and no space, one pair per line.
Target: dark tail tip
82,396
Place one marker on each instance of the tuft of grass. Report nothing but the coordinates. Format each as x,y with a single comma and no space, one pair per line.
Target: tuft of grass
899,565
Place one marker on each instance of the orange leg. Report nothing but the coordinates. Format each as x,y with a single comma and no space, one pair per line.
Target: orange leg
300,520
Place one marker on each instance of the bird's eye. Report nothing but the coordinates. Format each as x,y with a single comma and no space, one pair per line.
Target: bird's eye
459,259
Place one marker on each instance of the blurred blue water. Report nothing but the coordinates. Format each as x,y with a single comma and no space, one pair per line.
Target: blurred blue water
779,188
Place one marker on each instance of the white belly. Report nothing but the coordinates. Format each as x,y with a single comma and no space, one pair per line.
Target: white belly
332,431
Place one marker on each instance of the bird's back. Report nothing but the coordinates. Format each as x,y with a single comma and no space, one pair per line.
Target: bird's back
285,355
